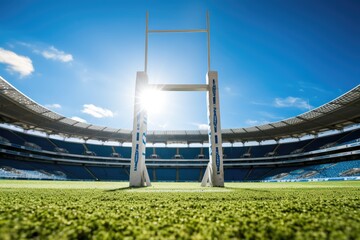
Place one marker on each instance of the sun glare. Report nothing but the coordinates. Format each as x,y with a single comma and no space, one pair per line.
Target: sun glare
152,100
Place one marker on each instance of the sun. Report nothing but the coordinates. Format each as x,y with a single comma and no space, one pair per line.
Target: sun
152,100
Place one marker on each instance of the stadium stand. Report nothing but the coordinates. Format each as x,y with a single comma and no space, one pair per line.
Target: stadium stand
331,151
100,165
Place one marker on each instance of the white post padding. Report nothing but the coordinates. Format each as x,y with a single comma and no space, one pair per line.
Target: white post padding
139,176
214,174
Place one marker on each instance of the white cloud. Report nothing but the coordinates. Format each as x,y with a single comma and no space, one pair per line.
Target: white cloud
270,115
163,126
231,91
260,103
49,53
306,86
292,102
252,122
55,54
16,63
97,112
79,119
53,106
201,126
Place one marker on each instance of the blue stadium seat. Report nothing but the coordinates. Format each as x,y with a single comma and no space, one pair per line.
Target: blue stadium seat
72,147
165,174
189,152
125,152
100,150
109,173
235,174
189,174
11,136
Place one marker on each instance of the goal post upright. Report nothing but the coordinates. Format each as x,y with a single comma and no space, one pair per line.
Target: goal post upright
214,174
139,176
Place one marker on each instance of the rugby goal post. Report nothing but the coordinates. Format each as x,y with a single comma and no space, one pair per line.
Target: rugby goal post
214,173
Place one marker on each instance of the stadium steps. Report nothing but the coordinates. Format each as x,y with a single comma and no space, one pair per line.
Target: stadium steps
153,150
266,174
202,172
346,137
68,173
113,149
127,172
86,147
249,151
154,174
18,136
52,143
91,173
248,174
276,147
308,145
74,171
350,172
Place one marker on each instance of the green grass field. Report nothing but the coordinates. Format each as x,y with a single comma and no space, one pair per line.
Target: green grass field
103,210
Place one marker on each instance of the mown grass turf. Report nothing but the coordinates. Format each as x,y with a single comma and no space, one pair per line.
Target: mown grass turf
100,210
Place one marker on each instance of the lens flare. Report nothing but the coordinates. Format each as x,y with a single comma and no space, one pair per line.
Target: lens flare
152,100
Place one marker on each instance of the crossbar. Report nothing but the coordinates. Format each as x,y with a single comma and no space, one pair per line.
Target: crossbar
180,87
207,30
180,31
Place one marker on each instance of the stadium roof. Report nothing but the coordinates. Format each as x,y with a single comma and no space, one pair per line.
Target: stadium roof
17,109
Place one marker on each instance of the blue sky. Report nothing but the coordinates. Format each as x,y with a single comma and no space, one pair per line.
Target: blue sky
275,59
